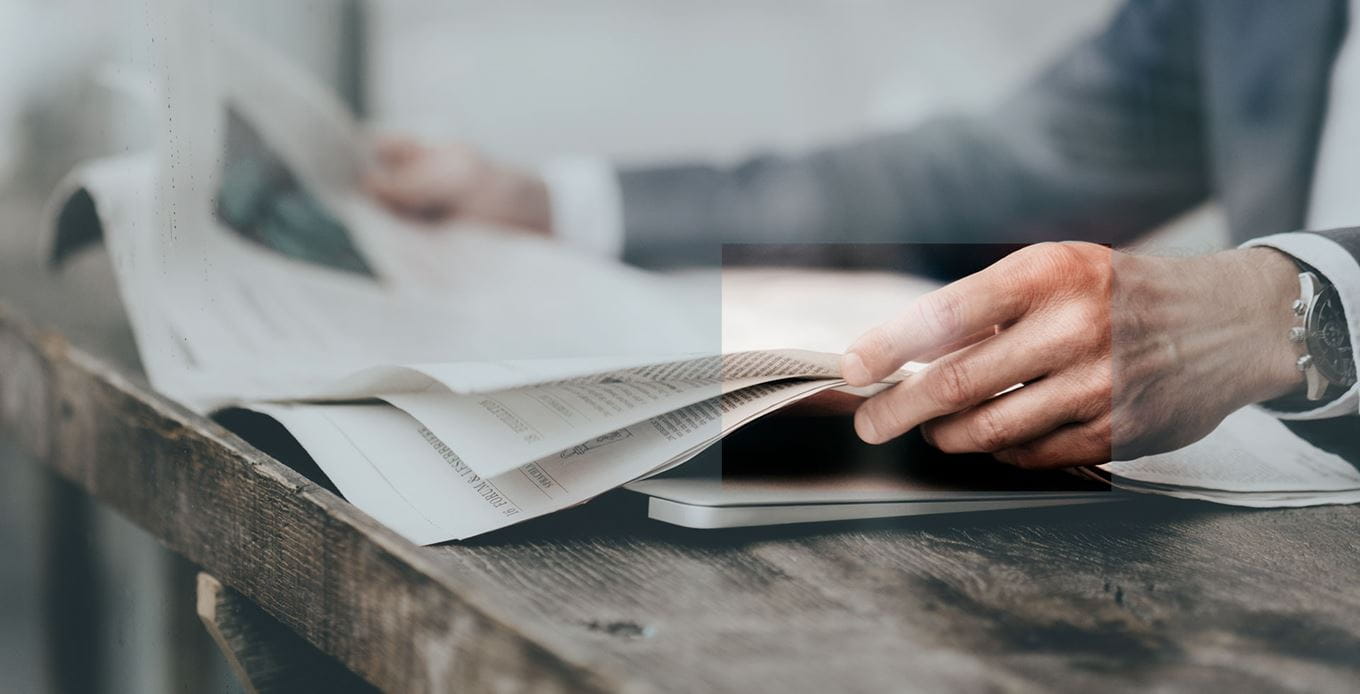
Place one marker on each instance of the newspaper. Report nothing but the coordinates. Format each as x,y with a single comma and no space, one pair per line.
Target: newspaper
1251,459
419,369
453,383
397,469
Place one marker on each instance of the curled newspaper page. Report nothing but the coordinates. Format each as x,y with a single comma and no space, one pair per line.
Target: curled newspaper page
400,472
280,278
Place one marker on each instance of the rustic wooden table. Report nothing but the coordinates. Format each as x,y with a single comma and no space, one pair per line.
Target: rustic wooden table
1131,596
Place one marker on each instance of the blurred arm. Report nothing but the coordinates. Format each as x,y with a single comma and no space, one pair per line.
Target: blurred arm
1106,144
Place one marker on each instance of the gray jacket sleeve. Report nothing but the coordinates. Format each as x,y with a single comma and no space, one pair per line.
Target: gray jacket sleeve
1104,144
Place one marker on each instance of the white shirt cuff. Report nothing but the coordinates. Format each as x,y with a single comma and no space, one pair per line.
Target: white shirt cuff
1341,269
586,203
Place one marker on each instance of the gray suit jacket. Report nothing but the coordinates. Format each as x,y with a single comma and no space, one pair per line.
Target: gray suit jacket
1176,102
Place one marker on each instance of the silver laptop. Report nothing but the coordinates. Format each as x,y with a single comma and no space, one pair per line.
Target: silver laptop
813,469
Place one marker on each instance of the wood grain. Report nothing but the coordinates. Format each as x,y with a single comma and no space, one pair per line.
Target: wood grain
1147,594
266,656
349,586
1156,594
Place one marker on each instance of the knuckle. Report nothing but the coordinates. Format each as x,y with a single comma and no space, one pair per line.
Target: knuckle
876,347
1040,252
1084,327
1100,263
1068,256
944,435
1040,259
883,415
1099,441
1090,268
948,384
1093,313
1100,389
1083,266
1034,272
990,431
942,313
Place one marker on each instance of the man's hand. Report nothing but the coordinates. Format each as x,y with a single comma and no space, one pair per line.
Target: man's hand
1120,355
439,184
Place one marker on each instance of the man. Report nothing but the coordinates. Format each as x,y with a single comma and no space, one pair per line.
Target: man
1251,102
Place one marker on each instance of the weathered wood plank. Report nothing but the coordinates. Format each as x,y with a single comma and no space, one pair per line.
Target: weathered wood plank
349,586
1160,595
266,656
1148,594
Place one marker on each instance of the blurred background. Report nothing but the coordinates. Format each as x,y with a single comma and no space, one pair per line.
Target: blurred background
88,602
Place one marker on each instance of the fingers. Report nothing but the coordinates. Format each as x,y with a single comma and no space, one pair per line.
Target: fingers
390,181
973,339
410,189
945,316
414,180
1051,300
1068,446
957,382
436,184
394,150
1013,419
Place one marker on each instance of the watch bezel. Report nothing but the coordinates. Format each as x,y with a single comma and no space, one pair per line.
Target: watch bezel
1337,366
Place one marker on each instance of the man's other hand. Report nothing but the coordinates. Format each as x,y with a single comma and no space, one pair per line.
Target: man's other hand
1120,355
455,182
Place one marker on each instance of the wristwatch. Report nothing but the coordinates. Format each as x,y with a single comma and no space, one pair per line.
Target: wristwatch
1327,361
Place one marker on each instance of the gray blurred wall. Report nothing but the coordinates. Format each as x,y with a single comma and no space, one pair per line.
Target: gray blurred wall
655,79
59,58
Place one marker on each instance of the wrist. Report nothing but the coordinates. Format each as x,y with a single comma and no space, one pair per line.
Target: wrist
1263,283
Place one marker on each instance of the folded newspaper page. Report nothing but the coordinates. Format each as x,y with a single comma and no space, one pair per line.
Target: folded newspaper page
1251,459
398,470
257,276
453,383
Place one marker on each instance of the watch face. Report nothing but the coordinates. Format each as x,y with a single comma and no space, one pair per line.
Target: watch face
1329,340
